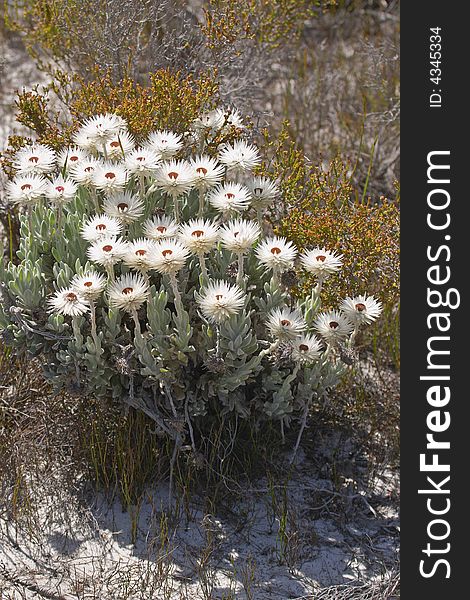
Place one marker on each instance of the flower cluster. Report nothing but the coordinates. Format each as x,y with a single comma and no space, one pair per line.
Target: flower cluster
170,254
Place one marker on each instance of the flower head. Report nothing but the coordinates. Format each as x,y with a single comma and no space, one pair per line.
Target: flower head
123,206
239,236
199,235
276,253
158,228
36,159
140,254
219,301
128,292
321,262
70,157
230,117
174,177
90,285
229,197
142,161
361,310
286,324
240,155
206,172
170,256
210,121
164,143
263,191
67,301
119,146
333,326
100,226
26,189
60,190
306,349
107,251
110,177
83,171
98,130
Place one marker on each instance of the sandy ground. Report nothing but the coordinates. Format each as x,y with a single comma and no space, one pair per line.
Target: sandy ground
331,538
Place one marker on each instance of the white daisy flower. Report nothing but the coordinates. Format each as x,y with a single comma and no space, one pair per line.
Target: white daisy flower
90,285
230,117
174,177
199,235
170,256
306,349
124,206
100,226
83,171
239,236
36,159
140,254
229,197
119,146
26,189
158,228
110,177
333,326
263,192
210,121
67,301
129,292
99,129
276,253
107,251
164,143
361,310
142,161
60,190
70,157
286,324
219,301
240,155
321,262
206,172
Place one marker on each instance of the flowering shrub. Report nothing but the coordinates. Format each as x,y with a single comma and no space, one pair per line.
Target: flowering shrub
147,273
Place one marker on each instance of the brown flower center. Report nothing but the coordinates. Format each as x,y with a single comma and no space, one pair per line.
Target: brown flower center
122,207
89,169
198,233
173,175
88,284
258,191
229,196
140,158
114,144
60,189
34,159
107,248
360,307
201,171
73,158
167,252
219,297
285,323
101,227
127,290
303,347
333,325
26,186
71,297
110,175
321,258
141,252
161,229
275,250
235,233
